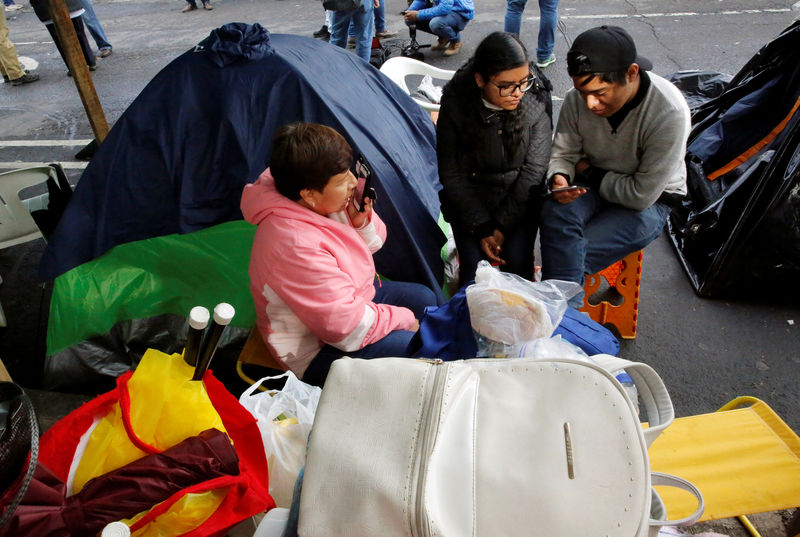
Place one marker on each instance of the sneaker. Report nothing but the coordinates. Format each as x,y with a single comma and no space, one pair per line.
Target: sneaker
384,34
24,79
322,33
541,64
207,6
13,7
441,44
105,52
188,8
453,49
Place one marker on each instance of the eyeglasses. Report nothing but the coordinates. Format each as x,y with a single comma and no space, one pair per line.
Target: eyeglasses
507,90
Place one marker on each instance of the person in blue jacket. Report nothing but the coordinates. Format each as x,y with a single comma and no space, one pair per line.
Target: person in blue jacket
443,18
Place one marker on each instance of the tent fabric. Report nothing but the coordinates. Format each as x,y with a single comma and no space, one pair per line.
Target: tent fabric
178,158
739,229
176,161
142,279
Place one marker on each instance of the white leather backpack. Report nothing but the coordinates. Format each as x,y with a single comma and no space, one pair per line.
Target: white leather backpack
484,448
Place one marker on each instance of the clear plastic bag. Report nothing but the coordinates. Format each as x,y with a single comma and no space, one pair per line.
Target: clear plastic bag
284,418
507,310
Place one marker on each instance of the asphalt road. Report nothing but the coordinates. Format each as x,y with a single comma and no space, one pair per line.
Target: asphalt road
707,350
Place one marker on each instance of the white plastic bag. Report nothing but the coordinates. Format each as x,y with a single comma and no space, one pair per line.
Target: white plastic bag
506,310
284,418
428,90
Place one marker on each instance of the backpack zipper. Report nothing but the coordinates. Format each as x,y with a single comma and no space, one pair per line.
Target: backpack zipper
429,429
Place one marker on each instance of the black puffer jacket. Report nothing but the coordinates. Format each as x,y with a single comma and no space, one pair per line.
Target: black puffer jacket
486,184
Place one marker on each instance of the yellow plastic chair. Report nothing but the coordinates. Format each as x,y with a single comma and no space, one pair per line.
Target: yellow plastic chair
743,458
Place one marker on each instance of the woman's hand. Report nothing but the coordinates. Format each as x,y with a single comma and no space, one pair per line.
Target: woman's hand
359,219
492,246
415,328
568,196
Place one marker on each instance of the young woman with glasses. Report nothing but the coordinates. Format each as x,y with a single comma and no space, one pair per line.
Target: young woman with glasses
494,133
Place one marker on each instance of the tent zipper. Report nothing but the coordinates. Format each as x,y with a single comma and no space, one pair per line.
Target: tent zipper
429,429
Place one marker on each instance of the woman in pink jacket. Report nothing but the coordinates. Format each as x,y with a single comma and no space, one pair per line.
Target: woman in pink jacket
311,269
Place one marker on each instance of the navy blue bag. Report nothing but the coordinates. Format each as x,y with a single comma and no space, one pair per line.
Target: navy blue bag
445,332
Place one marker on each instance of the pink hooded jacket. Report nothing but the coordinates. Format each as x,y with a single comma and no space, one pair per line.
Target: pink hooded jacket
312,278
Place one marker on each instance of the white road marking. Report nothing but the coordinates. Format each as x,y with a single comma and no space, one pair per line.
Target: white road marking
675,14
43,143
19,164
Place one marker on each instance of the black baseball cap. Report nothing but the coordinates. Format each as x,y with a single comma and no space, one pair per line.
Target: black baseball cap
605,49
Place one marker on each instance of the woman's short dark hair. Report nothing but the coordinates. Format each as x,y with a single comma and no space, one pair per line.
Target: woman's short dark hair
499,51
307,155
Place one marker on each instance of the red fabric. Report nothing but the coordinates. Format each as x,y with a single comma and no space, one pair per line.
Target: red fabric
124,492
248,492
57,446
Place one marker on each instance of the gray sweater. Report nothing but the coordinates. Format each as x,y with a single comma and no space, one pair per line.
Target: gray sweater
645,156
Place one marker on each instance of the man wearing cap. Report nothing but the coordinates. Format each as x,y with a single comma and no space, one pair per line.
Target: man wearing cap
620,144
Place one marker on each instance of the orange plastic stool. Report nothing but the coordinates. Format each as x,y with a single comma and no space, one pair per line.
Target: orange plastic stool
625,276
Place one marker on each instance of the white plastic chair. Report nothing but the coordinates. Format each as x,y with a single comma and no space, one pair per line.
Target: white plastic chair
16,223
399,67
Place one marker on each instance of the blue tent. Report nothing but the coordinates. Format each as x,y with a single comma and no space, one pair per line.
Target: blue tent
174,165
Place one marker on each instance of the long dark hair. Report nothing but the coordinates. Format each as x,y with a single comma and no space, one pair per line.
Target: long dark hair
499,51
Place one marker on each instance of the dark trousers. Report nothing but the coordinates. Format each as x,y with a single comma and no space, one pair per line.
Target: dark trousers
517,249
77,23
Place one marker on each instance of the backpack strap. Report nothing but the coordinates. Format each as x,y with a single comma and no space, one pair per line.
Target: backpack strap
654,395
667,480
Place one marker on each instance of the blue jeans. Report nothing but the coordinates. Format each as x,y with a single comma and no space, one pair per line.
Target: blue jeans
548,19
413,296
362,23
93,25
447,27
589,234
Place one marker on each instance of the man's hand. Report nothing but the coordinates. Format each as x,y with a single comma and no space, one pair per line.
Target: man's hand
492,246
410,16
559,181
415,328
376,4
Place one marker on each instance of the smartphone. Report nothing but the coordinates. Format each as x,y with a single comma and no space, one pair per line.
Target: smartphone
568,188
364,188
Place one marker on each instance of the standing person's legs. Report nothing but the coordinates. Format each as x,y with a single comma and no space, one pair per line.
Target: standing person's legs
95,28
88,55
548,19
513,20
9,61
340,22
379,14
363,20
